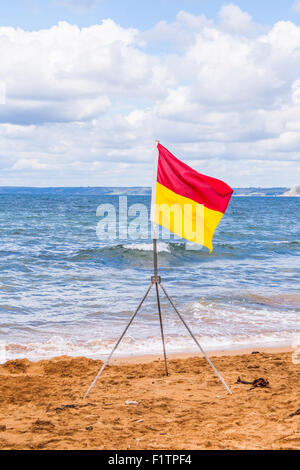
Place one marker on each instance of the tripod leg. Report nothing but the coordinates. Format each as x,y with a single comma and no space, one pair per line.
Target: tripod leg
161,328
118,342
196,341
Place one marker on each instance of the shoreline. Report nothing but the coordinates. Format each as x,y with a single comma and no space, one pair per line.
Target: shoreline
149,357
146,358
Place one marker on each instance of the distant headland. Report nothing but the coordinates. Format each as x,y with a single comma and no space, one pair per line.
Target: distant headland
293,192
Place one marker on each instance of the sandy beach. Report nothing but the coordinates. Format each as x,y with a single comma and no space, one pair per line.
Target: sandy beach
134,406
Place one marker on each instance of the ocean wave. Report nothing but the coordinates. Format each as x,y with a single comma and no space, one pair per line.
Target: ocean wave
186,251
162,247
276,300
232,248
125,249
136,250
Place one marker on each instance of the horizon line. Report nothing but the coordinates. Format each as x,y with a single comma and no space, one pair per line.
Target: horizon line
148,187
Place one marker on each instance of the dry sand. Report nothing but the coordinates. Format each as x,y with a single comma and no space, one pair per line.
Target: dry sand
41,405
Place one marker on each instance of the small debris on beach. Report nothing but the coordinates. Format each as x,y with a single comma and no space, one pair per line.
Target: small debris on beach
66,407
131,402
261,383
295,413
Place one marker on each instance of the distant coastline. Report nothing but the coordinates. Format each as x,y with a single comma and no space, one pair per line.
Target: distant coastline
135,191
293,192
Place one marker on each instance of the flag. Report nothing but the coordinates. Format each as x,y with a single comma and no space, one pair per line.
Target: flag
186,202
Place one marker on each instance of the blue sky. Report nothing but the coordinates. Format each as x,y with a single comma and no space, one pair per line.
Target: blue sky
37,14
86,86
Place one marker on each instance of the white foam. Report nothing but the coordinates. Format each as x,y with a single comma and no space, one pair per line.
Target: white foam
161,247
98,349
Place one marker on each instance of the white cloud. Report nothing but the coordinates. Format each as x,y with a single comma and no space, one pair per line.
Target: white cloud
236,21
2,92
66,73
84,106
31,164
181,32
296,7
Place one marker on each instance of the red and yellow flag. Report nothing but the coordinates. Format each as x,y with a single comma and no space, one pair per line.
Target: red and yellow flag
186,202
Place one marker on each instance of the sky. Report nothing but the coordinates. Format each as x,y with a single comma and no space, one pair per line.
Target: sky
86,86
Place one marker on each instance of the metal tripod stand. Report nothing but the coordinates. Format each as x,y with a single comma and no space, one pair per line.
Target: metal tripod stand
156,280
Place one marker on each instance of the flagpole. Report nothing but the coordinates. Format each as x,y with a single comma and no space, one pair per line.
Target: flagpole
156,278
153,203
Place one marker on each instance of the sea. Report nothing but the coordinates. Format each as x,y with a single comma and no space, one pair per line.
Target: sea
67,290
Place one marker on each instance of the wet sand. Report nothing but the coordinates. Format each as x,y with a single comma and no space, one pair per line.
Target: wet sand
41,405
